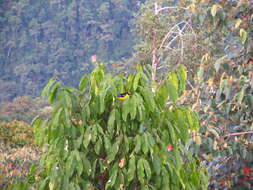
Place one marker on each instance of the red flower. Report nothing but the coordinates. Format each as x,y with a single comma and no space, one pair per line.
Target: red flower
247,170
251,60
169,147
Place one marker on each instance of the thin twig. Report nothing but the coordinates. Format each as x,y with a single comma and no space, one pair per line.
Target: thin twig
157,10
168,34
239,133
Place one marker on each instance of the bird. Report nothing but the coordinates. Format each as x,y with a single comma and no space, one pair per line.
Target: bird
123,96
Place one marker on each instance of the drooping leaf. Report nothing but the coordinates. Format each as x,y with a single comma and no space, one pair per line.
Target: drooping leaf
83,83
131,169
140,171
47,88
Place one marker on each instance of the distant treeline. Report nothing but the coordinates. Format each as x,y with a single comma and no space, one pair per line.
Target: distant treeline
41,39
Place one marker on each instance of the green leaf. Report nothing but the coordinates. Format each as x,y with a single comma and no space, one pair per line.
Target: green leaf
107,144
79,163
57,116
145,144
172,92
52,95
98,146
131,169
182,125
86,166
94,133
147,168
87,138
173,79
149,99
83,82
182,76
112,176
133,107
136,81
47,88
102,100
156,164
114,150
67,99
125,109
140,171
78,142
162,95
172,85
137,143
111,120
126,144
70,165
240,95
94,166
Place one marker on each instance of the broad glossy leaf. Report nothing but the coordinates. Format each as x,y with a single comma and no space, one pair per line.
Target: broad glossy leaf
133,107
79,163
98,145
83,82
125,109
87,138
140,171
52,95
144,143
131,169
111,120
137,143
173,94
156,163
46,90
147,169
182,76
136,81
112,153
112,176
86,166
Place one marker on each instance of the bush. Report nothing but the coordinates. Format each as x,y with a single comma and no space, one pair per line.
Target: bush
96,141
16,133
15,163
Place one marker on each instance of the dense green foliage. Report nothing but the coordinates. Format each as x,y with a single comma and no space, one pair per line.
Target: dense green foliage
41,39
98,142
214,41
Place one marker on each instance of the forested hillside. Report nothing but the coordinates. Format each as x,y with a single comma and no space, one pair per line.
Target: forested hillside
144,95
41,39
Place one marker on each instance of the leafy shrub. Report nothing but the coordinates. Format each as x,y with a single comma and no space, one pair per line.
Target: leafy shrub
16,133
98,142
15,163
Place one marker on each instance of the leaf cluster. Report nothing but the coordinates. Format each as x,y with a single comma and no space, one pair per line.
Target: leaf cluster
98,142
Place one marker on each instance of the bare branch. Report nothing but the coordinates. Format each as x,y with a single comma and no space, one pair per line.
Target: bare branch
157,10
239,133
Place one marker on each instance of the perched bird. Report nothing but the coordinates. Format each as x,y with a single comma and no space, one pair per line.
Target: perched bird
123,96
